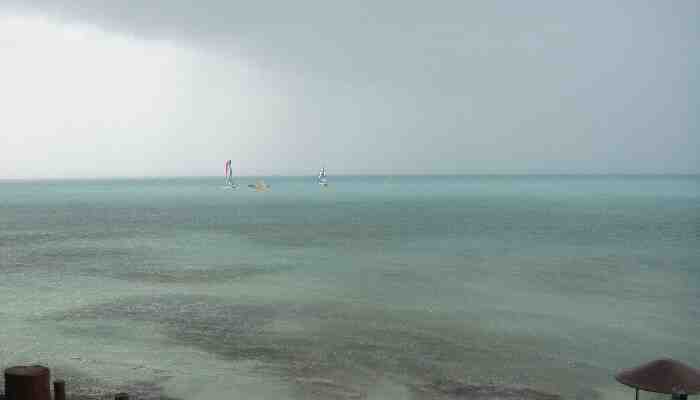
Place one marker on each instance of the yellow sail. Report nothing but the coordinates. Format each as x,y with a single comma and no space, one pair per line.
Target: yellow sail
261,186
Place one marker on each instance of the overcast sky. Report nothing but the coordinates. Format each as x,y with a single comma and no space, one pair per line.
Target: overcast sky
95,88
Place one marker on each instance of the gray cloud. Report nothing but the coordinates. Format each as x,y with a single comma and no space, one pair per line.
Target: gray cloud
452,87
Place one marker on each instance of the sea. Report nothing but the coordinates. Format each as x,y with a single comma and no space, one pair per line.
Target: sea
375,287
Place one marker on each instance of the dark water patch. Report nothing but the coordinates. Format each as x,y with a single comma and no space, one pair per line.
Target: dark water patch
156,262
8,238
70,255
95,234
77,258
459,390
183,314
200,275
342,348
80,215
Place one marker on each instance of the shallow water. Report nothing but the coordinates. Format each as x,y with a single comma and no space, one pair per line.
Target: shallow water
375,287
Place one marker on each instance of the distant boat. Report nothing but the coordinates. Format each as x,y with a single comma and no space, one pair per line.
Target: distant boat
260,186
228,173
322,178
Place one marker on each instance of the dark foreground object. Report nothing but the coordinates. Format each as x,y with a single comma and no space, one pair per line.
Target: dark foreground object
32,383
27,383
59,390
665,375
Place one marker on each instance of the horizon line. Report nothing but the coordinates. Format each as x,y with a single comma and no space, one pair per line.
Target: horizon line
146,177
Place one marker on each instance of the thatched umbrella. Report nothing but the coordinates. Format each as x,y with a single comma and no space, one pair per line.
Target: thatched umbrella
662,376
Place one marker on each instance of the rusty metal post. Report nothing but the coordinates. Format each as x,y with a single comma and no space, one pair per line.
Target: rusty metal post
59,390
27,383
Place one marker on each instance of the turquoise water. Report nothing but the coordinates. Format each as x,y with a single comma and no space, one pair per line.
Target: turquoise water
375,287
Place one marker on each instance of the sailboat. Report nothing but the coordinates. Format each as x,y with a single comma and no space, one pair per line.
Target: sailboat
260,186
228,173
322,179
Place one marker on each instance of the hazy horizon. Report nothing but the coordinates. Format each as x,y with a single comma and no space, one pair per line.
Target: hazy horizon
368,175
169,89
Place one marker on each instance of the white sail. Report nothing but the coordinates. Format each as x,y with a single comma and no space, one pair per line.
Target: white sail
228,173
322,179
